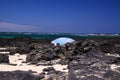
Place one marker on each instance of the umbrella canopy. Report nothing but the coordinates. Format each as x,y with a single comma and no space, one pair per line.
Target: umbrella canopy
62,41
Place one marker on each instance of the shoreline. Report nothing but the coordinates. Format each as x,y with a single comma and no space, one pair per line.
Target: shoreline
84,59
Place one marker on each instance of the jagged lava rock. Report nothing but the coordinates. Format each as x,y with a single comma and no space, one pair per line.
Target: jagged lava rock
18,75
4,58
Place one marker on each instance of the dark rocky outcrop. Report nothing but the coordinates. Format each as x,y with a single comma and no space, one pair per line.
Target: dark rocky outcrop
23,49
18,75
4,58
53,74
111,75
48,69
65,52
23,45
87,58
106,47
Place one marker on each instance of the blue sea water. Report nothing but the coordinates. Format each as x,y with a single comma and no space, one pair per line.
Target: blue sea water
52,35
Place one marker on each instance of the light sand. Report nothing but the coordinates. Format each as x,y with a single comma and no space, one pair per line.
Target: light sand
18,59
114,55
114,67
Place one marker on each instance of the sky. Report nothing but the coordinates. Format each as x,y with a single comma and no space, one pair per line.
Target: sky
64,16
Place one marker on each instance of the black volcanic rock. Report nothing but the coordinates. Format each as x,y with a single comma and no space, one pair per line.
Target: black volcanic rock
42,75
49,69
87,58
49,56
23,48
51,52
53,74
4,58
92,78
18,75
41,54
106,47
112,75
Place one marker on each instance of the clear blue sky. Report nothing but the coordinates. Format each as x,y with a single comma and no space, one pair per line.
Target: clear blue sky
69,16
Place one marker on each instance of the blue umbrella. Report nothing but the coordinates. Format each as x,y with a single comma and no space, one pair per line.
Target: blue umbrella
62,41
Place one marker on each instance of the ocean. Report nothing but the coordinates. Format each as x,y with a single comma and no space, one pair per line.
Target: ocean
52,35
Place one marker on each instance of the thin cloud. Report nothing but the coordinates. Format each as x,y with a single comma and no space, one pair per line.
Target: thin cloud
12,27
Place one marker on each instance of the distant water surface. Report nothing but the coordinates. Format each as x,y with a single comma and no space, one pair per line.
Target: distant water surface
52,35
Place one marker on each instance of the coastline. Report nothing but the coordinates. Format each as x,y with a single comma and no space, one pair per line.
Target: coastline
97,58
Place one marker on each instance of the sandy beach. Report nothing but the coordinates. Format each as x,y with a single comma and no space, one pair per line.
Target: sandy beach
17,60
84,59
